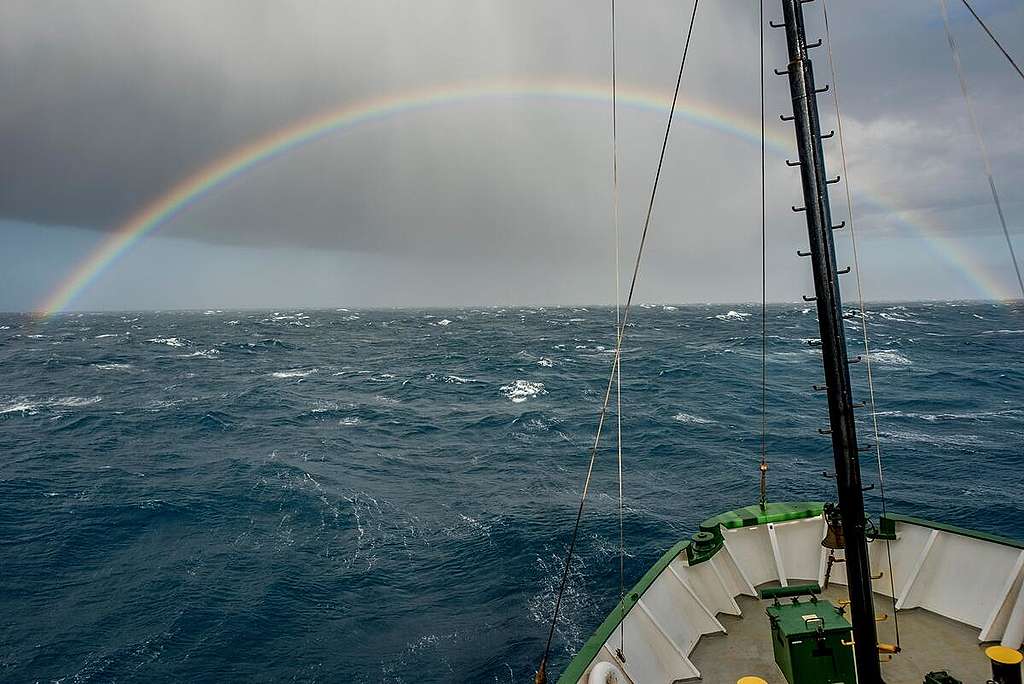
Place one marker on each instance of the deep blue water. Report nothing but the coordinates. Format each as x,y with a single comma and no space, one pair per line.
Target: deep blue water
385,496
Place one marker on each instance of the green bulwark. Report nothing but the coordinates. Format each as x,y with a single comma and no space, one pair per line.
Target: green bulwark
708,541
704,545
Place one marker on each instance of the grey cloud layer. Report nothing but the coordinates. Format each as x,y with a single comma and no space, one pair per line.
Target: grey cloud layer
108,104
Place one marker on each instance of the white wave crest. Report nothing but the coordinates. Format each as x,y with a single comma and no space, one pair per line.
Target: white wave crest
169,341
31,406
295,373
202,354
732,316
450,379
521,390
112,366
690,419
890,357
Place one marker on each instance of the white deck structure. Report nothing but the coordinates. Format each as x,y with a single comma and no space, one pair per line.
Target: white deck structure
966,577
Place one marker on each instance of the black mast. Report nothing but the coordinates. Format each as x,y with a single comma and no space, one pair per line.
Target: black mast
833,342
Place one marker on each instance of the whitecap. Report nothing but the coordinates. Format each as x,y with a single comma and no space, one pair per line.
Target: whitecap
74,402
100,337
545,362
31,406
20,405
324,406
889,357
732,316
690,419
295,373
444,321
169,341
521,390
350,421
113,366
202,354
161,404
451,379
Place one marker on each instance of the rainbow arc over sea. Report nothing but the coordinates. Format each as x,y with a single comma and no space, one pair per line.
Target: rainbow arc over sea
192,189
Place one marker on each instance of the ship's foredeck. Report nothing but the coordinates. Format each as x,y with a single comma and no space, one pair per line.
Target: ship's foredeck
930,642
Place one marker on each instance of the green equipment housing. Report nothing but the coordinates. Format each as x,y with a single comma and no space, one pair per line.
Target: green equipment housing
811,639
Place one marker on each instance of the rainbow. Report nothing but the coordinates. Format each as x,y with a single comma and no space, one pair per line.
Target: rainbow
192,189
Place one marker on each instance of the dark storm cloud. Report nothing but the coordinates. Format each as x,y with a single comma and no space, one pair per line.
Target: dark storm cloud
108,104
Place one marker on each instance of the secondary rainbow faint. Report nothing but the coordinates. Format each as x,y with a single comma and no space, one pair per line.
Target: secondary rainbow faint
193,188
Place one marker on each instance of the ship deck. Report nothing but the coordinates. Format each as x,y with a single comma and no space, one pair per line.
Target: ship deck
930,642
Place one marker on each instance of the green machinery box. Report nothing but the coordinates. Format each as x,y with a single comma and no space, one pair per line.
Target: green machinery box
812,641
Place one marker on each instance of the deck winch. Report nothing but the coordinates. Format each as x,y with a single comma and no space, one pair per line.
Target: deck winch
811,639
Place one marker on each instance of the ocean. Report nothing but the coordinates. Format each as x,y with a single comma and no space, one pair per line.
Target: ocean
386,496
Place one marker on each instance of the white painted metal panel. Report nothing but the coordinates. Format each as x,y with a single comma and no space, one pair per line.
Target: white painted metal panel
800,544
709,585
962,577
752,550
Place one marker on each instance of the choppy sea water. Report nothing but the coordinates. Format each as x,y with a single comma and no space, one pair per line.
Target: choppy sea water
385,496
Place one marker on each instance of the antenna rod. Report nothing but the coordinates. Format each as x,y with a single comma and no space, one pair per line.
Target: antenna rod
833,344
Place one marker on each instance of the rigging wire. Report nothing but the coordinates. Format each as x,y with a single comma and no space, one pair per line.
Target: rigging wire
764,291
981,141
994,39
618,325
863,314
541,675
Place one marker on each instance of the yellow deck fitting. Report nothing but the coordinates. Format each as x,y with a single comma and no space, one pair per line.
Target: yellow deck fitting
1004,655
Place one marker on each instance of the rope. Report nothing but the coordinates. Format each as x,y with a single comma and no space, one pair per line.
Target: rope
863,315
618,361
541,675
994,39
981,141
764,292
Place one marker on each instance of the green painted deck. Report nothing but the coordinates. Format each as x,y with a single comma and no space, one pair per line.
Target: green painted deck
930,642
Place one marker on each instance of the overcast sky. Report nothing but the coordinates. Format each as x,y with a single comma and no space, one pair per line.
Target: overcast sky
108,104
